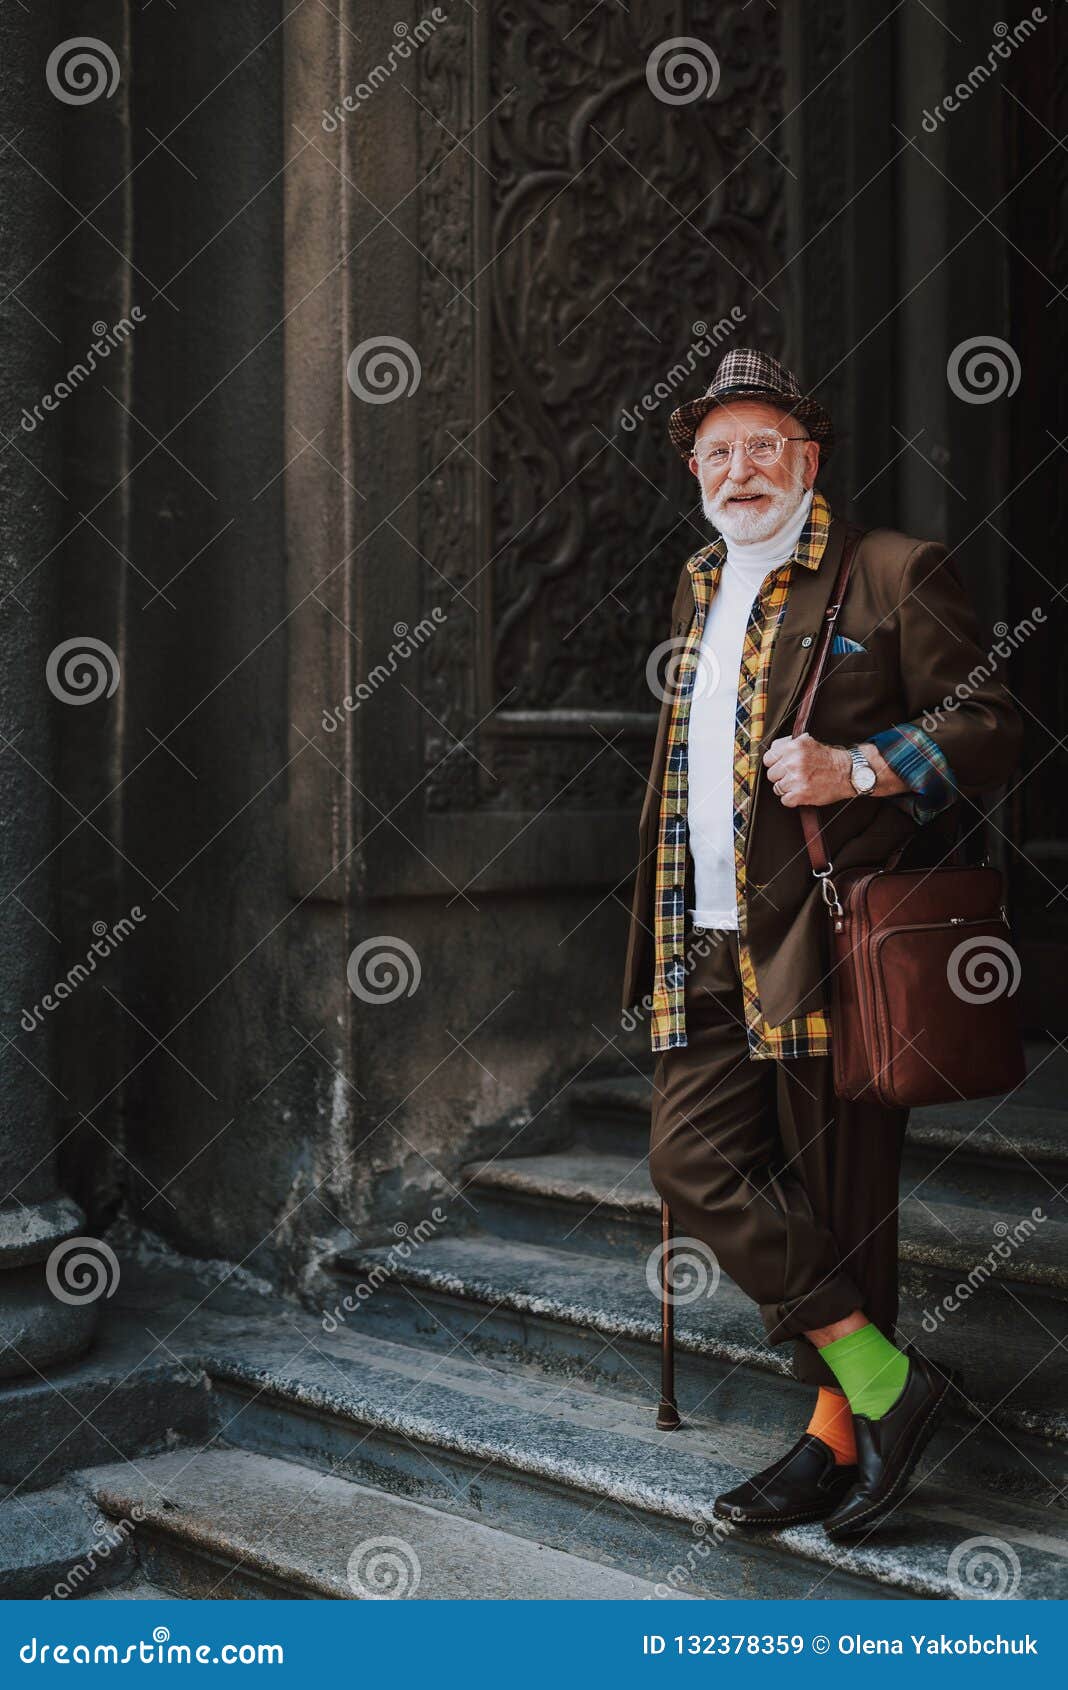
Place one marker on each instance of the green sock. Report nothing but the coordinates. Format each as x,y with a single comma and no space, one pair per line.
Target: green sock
869,1368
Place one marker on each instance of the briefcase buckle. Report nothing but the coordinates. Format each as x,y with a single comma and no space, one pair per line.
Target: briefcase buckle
828,888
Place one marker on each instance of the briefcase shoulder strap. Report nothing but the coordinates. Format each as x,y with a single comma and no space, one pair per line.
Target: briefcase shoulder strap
809,813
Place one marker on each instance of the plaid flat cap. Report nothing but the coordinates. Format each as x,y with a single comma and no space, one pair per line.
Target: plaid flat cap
748,374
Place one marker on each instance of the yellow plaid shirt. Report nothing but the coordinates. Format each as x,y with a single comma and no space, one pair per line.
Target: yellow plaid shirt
806,1035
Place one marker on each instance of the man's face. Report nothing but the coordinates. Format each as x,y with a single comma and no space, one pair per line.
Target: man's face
744,500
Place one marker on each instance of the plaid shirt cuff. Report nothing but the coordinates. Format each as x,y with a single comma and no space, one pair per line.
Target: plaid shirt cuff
917,758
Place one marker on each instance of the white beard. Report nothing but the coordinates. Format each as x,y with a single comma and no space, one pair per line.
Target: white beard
739,522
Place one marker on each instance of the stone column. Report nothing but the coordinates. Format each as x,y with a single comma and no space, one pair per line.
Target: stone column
37,1328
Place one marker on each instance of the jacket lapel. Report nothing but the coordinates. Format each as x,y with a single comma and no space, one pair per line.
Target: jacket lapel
807,600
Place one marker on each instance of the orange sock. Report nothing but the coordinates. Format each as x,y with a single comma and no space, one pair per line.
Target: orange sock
832,1422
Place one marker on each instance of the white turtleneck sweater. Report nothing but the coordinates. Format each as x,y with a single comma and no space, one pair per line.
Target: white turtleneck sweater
710,762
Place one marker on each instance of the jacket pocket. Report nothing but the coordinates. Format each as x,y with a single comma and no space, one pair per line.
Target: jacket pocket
848,663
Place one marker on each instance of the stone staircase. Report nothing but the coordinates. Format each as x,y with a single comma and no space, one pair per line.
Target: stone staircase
483,1422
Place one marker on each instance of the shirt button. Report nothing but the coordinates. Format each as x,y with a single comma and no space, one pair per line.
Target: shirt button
807,640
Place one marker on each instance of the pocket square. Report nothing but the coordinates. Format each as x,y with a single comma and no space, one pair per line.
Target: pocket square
840,645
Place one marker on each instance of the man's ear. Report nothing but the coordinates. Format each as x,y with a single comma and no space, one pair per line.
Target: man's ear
812,462
693,465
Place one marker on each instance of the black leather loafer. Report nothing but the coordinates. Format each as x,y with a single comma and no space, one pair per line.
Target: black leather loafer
888,1448
804,1484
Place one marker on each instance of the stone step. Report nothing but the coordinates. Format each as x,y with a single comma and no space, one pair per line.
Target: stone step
1013,1147
554,1459
138,1590
1002,1133
127,1392
574,1314
971,1273
1018,1157
604,1200
54,1543
223,1522
586,1473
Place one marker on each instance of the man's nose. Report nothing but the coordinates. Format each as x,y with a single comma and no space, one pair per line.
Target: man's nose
740,462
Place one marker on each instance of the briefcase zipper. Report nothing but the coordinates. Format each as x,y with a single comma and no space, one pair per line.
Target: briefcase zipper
934,926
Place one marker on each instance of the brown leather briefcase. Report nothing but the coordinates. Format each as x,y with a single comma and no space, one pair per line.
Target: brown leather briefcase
923,968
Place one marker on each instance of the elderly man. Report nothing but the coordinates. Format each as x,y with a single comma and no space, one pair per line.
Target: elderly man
794,1189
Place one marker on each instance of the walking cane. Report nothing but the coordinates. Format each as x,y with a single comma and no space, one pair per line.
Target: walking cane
667,1419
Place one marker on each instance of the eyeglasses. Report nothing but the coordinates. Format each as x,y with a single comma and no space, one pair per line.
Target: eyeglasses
762,448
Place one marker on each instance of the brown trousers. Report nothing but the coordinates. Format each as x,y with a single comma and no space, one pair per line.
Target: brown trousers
794,1189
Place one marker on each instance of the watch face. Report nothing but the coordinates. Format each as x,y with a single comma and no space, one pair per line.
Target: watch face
863,777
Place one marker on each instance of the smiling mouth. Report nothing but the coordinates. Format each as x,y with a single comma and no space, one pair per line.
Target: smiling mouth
745,498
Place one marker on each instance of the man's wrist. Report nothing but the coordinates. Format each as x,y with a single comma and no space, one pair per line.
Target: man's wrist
847,764
887,780
844,760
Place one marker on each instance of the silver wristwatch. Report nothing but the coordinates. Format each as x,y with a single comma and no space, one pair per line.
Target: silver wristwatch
862,775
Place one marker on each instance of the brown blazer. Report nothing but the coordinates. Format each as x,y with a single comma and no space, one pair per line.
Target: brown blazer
906,604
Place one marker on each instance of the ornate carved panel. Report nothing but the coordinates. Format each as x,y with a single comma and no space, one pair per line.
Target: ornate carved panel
582,237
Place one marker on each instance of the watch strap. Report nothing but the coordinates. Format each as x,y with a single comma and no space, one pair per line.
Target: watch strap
860,762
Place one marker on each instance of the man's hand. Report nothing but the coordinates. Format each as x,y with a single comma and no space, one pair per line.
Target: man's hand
805,771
